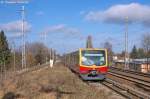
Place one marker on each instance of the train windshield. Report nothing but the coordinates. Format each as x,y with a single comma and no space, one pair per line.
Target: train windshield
93,57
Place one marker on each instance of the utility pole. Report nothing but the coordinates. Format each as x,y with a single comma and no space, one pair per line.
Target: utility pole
126,58
4,64
13,45
45,40
23,39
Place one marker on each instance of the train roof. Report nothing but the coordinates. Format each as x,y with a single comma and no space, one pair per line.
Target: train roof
85,49
92,49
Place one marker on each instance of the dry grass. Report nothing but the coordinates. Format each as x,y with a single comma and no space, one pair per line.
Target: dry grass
51,83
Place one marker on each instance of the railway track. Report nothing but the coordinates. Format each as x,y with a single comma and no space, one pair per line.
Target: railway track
131,72
122,89
34,68
139,79
23,71
129,84
125,90
134,83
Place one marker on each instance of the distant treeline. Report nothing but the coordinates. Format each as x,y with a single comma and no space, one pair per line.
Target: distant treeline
36,53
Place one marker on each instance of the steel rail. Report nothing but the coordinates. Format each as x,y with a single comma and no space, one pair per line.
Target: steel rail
146,84
131,72
124,90
133,76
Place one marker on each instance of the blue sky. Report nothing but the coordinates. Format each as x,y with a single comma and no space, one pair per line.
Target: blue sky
67,23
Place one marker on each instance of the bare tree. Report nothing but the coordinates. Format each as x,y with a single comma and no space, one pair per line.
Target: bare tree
108,46
146,45
39,51
30,59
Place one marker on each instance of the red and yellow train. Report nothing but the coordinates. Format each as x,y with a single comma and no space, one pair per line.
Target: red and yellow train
90,63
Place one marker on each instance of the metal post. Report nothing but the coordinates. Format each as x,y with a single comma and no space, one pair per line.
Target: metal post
126,44
49,55
45,40
23,39
51,58
4,65
1,64
14,56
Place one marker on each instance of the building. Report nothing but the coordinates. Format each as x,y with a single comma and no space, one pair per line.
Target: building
142,65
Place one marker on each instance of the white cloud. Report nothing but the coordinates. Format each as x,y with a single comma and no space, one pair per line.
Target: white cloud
16,35
61,28
136,13
15,26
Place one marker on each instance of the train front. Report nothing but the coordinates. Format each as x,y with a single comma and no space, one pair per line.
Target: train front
93,64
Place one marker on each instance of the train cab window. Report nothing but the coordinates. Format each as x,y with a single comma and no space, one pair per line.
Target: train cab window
93,57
